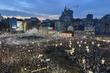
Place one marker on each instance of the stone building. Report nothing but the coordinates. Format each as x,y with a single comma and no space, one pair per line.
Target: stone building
88,21
4,25
58,26
78,24
12,22
33,22
1,17
105,25
66,18
49,24
24,26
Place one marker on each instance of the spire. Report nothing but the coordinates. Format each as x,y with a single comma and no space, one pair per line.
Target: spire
65,7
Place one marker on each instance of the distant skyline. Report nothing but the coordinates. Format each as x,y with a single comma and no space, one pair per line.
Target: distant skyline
54,7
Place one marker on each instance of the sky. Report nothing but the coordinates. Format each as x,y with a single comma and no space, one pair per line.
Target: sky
55,7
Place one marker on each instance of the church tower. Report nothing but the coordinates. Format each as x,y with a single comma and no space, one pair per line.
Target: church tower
66,18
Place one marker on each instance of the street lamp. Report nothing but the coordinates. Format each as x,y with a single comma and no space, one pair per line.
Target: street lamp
56,45
78,42
87,49
83,61
98,45
85,42
81,41
29,50
72,51
79,45
25,69
60,44
40,55
47,60
70,42
93,43
70,46
102,61
84,37
90,71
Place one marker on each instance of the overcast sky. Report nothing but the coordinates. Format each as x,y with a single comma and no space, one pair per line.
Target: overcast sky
55,7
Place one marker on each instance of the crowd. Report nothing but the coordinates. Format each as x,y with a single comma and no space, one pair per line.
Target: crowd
80,55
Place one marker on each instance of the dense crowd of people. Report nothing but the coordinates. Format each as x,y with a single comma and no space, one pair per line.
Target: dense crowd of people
70,55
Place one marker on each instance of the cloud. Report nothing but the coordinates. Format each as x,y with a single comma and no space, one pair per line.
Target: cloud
55,7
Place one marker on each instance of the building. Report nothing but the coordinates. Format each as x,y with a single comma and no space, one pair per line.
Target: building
1,18
4,25
90,31
49,23
89,16
70,28
104,26
12,22
34,22
78,24
88,21
46,23
58,26
66,18
19,25
24,26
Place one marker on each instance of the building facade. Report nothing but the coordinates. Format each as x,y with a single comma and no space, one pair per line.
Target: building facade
1,17
66,18
105,25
